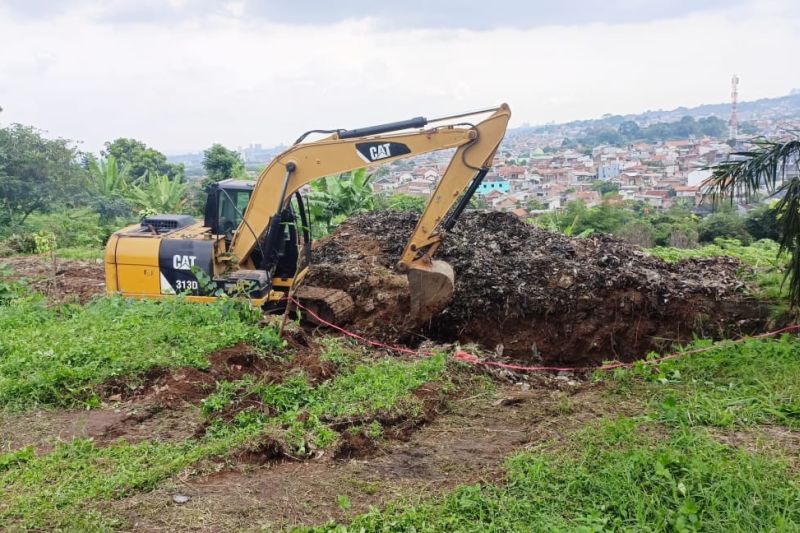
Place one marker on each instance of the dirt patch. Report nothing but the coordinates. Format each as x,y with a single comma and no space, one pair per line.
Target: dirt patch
777,441
356,435
467,445
44,429
66,279
536,295
169,387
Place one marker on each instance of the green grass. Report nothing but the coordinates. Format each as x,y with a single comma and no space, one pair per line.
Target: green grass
760,254
613,476
56,356
65,488
303,417
731,385
78,252
662,471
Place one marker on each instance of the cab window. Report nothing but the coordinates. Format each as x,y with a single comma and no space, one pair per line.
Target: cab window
232,205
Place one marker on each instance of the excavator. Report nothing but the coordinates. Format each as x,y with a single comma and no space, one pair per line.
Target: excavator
254,241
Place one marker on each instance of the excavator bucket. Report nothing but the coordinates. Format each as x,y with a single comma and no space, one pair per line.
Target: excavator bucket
431,287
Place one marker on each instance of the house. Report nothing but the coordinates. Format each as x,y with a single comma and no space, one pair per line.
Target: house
688,193
511,172
504,203
493,184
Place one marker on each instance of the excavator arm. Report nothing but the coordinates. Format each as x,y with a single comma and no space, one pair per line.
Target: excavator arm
342,151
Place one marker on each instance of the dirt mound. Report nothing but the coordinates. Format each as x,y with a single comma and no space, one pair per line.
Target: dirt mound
536,295
66,279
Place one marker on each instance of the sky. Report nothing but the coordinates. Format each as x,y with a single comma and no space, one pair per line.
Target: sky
183,74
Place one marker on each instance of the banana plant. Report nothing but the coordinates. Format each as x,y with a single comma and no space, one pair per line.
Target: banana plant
334,198
107,177
158,193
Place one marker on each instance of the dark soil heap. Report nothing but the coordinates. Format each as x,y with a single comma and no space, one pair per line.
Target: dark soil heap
536,295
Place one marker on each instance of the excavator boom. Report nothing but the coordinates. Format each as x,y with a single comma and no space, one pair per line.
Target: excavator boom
430,281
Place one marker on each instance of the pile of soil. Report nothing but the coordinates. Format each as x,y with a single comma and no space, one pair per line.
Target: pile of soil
536,295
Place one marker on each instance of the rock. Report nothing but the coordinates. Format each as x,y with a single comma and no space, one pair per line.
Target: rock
180,499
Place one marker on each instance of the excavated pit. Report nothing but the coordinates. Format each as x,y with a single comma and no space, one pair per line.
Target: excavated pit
534,295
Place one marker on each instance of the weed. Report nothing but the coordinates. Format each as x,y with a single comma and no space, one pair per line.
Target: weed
341,352
343,501
302,417
58,490
742,384
615,475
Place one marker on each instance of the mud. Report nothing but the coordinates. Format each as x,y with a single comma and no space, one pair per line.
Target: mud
535,295
62,280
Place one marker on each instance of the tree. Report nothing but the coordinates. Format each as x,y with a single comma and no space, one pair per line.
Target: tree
774,166
728,225
604,186
35,173
536,205
109,182
763,223
221,163
406,202
638,232
630,130
141,159
712,127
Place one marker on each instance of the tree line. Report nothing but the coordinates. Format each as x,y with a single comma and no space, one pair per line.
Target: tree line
629,131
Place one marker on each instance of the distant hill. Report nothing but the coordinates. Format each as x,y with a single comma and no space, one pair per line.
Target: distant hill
782,107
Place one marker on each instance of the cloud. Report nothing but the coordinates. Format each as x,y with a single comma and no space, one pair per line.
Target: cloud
451,14
224,76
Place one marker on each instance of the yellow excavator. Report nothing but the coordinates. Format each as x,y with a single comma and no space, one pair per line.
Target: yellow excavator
255,242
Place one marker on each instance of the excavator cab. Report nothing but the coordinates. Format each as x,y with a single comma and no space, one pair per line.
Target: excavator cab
226,205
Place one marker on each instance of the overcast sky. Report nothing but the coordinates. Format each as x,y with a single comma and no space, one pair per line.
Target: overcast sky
183,74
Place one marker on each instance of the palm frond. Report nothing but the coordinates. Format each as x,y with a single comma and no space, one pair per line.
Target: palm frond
774,167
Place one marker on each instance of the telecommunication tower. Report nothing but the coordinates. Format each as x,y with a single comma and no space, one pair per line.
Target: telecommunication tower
733,123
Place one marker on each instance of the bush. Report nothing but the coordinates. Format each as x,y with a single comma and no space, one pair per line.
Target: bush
728,225
683,236
639,233
21,243
762,223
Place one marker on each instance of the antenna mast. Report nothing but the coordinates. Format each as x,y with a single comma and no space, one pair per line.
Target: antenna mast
733,123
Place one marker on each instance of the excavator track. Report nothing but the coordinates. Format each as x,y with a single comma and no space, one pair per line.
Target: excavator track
331,305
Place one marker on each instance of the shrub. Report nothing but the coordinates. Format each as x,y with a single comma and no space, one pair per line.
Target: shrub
723,224
639,233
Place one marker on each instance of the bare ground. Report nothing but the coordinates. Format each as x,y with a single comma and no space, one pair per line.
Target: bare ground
776,441
467,445
59,280
135,422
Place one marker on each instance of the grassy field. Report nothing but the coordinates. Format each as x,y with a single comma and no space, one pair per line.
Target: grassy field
706,442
